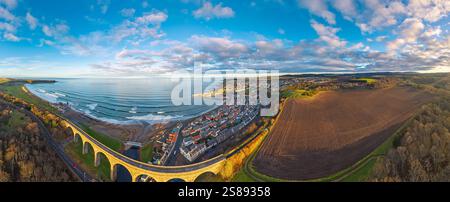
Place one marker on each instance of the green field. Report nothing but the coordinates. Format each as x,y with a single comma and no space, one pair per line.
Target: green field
87,160
241,176
16,91
361,174
108,141
147,153
4,80
367,80
297,93
75,150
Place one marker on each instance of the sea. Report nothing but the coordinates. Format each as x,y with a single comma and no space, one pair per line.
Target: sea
120,101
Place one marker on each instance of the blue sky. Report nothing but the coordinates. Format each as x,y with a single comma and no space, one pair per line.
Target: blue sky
112,38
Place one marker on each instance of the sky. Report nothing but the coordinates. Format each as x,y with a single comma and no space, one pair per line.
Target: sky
116,38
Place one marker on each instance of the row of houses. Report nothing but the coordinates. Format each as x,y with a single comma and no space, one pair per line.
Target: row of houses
165,144
213,128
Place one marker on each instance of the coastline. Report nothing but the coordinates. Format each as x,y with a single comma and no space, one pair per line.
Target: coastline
150,118
138,131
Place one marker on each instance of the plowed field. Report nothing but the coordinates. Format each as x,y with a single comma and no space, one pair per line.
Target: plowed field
319,136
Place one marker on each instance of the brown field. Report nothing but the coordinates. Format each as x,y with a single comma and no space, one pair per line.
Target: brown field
318,137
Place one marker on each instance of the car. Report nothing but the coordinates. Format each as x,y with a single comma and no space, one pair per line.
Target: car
144,178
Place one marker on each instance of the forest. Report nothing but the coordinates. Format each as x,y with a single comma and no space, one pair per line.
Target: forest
24,153
422,151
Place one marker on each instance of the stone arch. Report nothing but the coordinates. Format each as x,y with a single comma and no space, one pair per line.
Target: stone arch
103,164
120,173
207,176
77,138
87,146
69,131
144,178
176,180
100,157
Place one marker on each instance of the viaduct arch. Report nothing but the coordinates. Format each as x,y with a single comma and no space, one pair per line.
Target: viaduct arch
188,173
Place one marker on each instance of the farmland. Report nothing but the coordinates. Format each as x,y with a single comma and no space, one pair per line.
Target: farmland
318,137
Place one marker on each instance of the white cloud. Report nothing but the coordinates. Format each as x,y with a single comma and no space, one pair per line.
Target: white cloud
5,14
32,21
319,8
155,18
10,4
433,31
208,11
410,30
11,37
281,31
382,14
328,34
46,30
359,45
7,26
127,12
346,7
130,32
380,38
429,10
222,47
58,30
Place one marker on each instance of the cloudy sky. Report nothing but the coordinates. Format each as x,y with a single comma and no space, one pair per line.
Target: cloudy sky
89,38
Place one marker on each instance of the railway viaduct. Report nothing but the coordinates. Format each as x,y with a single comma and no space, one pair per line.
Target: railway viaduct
188,173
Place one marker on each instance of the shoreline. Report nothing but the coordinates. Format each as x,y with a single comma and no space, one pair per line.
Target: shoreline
131,121
140,131
133,130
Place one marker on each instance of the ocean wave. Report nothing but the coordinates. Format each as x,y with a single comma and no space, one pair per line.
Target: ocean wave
117,104
108,120
43,94
133,110
59,94
116,107
92,106
52,95
155,118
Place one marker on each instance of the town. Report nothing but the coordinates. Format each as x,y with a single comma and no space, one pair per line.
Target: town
196,136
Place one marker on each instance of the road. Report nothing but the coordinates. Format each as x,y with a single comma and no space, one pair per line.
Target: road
176,148
145,166
83,176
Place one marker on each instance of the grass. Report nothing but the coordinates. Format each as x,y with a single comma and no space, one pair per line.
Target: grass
86,161
108,141
297,93
242,176
361,174
16,120
147,153
367,80
18,92
4,80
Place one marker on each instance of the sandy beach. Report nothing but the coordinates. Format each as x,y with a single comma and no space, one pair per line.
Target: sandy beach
141,131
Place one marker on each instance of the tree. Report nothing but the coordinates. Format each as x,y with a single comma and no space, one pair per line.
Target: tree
4,176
